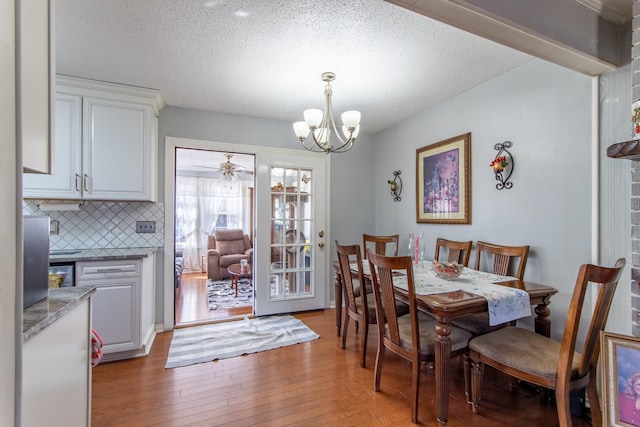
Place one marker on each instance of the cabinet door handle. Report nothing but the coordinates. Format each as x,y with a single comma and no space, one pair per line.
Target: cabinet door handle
86,183
108,270
77,182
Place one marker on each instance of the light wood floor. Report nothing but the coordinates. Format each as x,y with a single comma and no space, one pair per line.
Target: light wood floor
310,384
192,306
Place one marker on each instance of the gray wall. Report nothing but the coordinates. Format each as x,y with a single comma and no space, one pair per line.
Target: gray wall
545,110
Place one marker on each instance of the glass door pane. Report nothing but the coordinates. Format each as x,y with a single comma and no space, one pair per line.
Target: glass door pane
290,257
292,234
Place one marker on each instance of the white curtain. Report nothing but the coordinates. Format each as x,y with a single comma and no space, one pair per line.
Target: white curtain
202,205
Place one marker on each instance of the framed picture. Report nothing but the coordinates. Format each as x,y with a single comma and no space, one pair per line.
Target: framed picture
443,182
620,379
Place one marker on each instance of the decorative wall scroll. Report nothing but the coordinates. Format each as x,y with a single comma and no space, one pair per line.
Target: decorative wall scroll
502,165
395,186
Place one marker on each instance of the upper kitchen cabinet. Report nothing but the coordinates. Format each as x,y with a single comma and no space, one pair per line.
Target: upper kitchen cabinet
106,143
66,182
34,85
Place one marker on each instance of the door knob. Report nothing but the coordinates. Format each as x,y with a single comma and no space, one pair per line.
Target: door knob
321,233
321,244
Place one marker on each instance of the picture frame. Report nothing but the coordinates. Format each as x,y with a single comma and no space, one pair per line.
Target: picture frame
443,181
620,379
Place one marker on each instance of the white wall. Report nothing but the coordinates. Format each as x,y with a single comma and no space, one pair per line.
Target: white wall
9,315
545,110
615,181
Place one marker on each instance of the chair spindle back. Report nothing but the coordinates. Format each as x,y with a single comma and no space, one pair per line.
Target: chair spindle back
381,244
502,258
459,252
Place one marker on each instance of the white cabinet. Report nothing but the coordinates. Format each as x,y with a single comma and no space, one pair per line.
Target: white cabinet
35,60
56,372
65,183
123,304
118,159
106,144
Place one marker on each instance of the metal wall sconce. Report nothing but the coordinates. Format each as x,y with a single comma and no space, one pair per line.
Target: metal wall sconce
502,165
396,186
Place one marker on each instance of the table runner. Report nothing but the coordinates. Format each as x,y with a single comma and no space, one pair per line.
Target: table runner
505,303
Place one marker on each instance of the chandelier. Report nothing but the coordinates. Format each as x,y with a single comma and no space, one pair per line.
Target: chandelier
321,125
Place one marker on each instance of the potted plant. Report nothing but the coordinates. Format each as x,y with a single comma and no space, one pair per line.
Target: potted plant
393,184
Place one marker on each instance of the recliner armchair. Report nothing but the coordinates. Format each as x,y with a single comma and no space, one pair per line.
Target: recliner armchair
226,247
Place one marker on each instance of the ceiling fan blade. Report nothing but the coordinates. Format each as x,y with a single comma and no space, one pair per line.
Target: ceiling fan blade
228,168
206,167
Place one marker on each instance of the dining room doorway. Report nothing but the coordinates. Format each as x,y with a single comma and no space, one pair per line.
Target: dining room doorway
213,191
265,159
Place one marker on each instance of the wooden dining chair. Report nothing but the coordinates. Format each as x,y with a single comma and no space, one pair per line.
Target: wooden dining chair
539,360
383,245
359,306
459,252
410,336
501,260
504,260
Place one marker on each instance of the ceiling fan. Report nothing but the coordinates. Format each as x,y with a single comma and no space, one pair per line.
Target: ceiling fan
228,169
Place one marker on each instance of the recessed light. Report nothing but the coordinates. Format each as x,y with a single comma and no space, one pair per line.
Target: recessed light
241,13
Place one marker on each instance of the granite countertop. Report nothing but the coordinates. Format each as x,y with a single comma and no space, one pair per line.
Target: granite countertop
43,313
71,255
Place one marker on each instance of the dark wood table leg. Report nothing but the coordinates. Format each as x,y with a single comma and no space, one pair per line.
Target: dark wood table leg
542,322
542,326
443,360
338,298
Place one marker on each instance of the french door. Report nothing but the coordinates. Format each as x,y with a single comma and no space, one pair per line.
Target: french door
289,274
290,253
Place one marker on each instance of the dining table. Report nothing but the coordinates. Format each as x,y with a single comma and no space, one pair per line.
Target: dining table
454,301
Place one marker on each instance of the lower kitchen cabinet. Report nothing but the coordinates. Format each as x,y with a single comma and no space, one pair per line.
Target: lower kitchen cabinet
123,304
56,371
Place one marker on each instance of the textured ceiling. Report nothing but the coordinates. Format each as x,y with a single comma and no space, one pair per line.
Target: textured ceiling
264,58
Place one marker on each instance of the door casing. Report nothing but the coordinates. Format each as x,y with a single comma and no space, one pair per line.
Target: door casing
171,143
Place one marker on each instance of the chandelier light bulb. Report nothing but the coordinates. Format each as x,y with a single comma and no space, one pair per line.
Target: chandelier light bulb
322,136
313,117
351,119
301,130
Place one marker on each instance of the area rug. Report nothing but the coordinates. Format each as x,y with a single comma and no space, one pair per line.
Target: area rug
222,295
206,343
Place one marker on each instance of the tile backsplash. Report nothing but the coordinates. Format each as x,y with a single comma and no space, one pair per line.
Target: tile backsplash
103,224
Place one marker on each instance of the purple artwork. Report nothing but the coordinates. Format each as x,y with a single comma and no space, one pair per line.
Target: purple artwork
441,184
